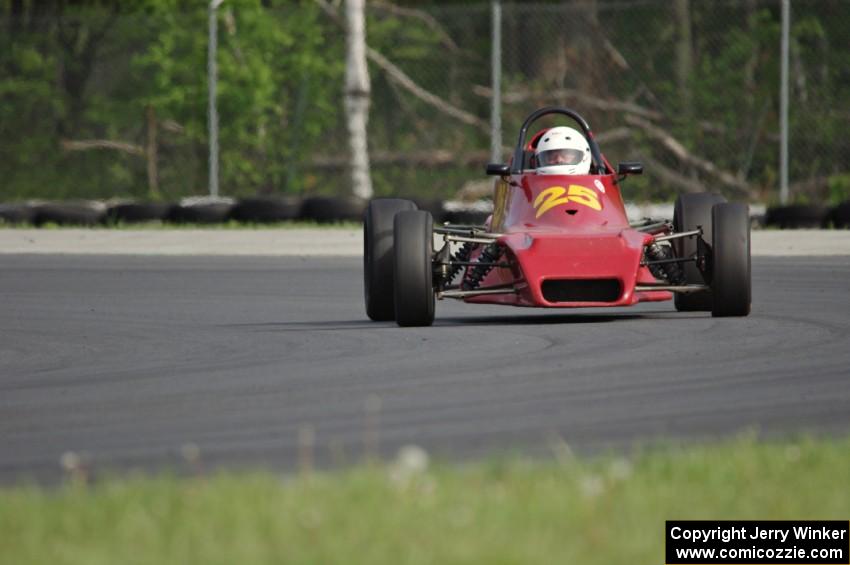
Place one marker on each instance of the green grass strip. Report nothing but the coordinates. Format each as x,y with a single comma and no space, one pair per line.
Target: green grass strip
596,511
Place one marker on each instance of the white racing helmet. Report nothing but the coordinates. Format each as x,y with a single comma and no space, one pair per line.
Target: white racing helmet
563,151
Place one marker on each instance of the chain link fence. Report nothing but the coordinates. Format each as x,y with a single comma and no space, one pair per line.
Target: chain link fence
100,103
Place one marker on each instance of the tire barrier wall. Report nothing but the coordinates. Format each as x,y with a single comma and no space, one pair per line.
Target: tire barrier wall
202,211
323,210
797,216
267,209
72,212
839,216
138,212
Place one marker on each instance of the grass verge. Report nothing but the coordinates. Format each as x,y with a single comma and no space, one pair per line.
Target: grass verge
597,511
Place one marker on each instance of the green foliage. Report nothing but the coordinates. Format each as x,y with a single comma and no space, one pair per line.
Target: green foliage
267,60
91,70
278,91
839,188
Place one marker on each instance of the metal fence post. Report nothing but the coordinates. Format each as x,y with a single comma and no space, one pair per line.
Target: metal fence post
783,104
212,79
496,74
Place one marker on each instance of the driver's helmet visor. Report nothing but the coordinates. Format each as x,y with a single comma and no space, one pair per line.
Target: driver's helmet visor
559,157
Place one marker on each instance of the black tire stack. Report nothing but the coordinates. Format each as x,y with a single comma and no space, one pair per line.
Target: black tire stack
17,213
70,212
191,210
797,216
201,210
267,209
326,209
132,212
839,216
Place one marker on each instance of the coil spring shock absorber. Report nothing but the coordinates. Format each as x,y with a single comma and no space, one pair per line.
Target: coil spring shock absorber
461,256
670,272
490,255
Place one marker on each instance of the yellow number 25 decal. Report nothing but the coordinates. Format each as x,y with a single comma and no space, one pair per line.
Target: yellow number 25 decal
556,195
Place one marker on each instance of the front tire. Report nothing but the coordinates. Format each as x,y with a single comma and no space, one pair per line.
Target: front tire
413,271
692,211
731,281
378,256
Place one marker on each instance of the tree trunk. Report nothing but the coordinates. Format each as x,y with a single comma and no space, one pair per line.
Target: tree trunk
750,86
684,68
684,54
357,97
151,153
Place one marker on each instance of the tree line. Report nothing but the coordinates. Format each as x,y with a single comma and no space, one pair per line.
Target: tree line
104,98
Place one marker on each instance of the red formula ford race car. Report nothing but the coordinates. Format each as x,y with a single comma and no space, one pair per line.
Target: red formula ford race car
559,237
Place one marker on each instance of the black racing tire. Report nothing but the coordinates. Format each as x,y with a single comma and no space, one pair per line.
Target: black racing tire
691,211
467,217
137,212
840,215
797,216
325,209
267,209
70,213
412,267
18,213
731,281
378,256
201,211
433,205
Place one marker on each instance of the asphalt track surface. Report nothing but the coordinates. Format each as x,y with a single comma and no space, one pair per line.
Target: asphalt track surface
270,362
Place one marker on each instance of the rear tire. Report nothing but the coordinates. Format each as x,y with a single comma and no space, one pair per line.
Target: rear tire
690,212
414,277
378,256
731,282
